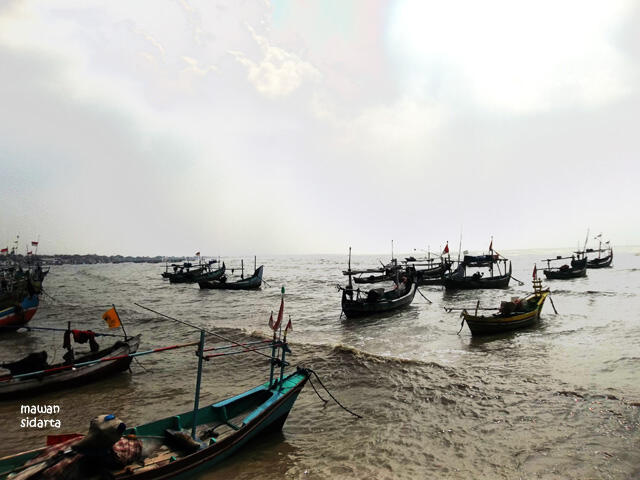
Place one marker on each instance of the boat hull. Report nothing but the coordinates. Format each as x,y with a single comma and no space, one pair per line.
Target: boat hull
252,283
603,262
565,274
363,308
470,283
16,316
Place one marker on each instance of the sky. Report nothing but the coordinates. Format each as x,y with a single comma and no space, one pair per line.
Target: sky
273,127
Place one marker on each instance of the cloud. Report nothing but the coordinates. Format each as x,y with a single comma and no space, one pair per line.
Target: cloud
511,56
278,73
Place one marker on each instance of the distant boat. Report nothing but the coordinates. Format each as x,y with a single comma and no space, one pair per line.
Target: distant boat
458,279
357,303
253,282
575,269
512,315
188,273
600,261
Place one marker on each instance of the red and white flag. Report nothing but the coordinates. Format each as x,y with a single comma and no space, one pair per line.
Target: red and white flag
5,250
276,326
446,248
34,244
289,326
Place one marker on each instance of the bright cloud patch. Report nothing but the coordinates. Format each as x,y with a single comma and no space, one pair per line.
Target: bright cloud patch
511,55
279,72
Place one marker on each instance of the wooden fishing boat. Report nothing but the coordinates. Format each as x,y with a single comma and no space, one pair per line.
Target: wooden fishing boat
600,261
221,429
576,269
459,280
14,314
177,446
360,303
250,283
33,375
386,273
513,315
433,274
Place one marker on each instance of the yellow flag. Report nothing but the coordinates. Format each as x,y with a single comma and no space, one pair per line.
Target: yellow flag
112,318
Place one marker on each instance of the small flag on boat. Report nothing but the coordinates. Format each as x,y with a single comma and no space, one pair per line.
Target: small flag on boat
280,315
535,271
289,326
29,253
197,254
112,318
34,244
446,248
271,322
4,250
491,245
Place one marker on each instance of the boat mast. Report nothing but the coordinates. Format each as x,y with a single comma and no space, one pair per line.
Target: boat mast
350,286
196,400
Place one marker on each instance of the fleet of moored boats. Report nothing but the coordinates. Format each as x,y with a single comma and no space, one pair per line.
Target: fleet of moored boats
186,443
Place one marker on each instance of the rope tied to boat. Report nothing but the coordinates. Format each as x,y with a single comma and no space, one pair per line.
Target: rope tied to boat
330,394
462,314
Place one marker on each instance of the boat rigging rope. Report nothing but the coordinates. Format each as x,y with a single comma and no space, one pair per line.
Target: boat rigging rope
461,323
54,299
31,327
317,393
331,395
200,328
423,295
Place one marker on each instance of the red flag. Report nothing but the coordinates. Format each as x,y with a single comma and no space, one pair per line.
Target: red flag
29,253
446,248
34,244
289,326
280,315
5,250
491,246
271,322
197,254
535,271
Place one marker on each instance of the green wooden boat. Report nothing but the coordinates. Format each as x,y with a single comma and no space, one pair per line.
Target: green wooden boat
221,430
